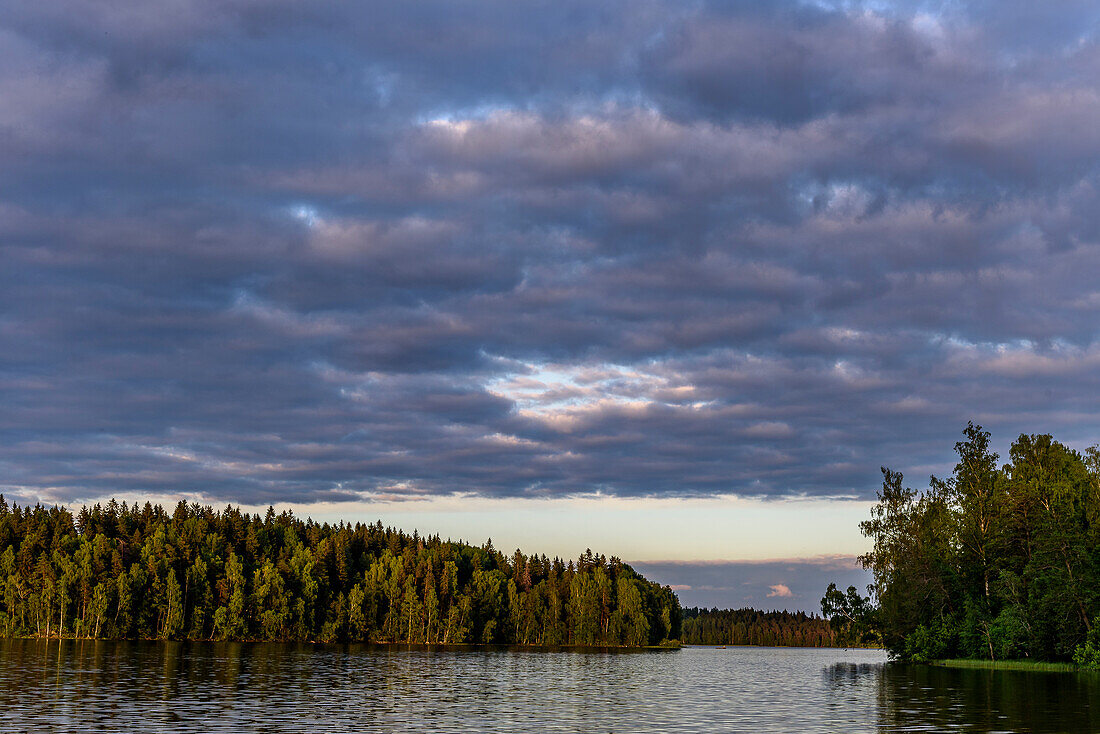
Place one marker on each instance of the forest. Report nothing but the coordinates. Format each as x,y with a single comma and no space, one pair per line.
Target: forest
118,571
755,627
995,561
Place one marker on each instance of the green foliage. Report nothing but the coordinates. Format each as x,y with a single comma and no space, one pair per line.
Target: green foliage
137,572
991,562
1087,655
928,642
173,616
1008,634
853,615
754,627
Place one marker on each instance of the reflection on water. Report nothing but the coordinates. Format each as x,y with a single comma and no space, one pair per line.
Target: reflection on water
180,687
953,699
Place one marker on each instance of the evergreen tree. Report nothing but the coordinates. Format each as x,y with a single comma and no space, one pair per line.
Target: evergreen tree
140,572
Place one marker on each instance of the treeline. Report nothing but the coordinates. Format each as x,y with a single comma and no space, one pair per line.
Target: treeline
119,571
994,561
755,627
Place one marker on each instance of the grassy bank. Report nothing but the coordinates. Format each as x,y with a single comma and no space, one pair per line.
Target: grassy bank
1030,665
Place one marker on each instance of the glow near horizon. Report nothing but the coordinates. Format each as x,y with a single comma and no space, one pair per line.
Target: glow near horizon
634,529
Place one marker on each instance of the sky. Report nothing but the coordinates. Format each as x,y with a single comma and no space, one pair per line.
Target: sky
666,279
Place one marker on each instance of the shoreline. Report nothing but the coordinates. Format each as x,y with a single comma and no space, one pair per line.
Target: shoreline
1037,666
366,643
787,647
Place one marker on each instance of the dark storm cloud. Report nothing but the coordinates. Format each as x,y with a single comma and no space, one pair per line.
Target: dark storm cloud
265,251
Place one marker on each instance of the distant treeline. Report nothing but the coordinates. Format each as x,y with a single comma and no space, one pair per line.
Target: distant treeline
992,562
755,627
123,571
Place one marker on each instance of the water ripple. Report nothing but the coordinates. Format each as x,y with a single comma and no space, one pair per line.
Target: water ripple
76,686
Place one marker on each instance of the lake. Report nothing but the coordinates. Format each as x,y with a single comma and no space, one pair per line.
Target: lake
86,686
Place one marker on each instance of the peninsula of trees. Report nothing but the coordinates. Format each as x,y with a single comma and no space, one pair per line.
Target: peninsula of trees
994,562
121,571
756,627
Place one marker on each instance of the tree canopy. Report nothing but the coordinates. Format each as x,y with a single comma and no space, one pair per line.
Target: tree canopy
994,561
137,572
755,627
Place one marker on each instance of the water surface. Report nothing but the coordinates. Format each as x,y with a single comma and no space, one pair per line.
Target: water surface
88,686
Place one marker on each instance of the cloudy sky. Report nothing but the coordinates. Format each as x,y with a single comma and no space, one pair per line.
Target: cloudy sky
668,279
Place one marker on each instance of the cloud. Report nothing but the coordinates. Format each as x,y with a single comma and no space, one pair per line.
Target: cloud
737,584
264,252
